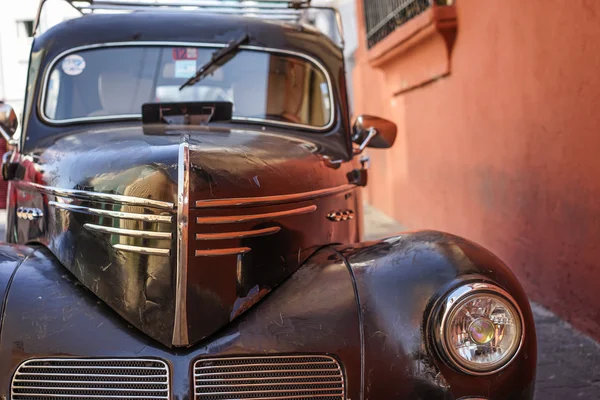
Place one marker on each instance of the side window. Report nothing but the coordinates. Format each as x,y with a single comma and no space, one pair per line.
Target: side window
52,94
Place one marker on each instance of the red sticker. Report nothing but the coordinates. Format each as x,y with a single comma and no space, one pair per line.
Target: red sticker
181,53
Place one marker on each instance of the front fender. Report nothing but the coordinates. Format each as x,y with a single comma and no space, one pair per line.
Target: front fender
11,257
398,281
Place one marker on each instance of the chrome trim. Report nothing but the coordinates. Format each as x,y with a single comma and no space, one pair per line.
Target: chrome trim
222,252
276,199
455,299
340,215
254,217
363,145
42,99
150,251
29,214
180,330
128,232
238,235
112,214
97,196
238,366
26,364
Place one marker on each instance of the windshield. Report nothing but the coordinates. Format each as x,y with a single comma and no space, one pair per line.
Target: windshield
111,82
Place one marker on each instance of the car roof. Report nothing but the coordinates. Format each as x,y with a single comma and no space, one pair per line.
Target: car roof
190,27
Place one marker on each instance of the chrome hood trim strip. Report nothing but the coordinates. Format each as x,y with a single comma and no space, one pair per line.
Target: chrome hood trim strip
150,251
238,235
180,330
255,217
112,214
276,199
128,232
223,252
96,196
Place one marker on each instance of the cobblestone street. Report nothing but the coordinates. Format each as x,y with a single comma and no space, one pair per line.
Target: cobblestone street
568,364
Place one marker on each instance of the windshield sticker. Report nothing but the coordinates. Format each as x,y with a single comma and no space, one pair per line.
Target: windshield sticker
73,65
185,68
189,53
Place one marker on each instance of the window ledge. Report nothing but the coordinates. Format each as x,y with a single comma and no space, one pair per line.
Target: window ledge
417,52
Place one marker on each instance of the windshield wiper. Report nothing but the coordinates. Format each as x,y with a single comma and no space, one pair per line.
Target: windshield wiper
218,59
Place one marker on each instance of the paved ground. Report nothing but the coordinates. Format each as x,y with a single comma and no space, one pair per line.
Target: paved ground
568,361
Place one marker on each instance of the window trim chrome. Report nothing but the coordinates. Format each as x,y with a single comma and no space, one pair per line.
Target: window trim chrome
42,98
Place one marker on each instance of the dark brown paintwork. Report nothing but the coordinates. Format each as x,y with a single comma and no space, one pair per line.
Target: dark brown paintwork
398,282
64,318
370,302
224,164
367,304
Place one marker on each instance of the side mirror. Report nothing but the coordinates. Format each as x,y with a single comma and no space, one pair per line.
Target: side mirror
373,132
8,122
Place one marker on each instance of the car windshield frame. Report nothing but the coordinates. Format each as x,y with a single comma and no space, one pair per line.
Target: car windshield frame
42,101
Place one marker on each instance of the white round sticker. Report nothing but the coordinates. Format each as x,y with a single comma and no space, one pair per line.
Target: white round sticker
73,65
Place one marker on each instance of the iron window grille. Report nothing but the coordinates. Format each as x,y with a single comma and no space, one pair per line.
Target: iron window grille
382,17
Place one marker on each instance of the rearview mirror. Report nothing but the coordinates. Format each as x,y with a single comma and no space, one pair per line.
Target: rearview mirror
370,131
8,122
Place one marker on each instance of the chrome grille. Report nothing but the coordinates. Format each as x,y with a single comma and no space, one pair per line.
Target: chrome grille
56,379
272,377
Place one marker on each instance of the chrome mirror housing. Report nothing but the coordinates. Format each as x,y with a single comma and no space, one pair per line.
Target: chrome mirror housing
8,122
370,131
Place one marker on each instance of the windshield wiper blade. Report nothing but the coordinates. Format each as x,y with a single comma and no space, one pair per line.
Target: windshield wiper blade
218,59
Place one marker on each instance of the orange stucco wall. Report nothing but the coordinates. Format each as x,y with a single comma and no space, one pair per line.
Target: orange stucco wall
506,149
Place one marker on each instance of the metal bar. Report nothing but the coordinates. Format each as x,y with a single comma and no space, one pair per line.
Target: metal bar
97,196
197,3
337,396
107,389
284,391
16,396
238,235
150,251
292,15
266,364
112,367
289,357
222,252
255,217
271,378
180,328
289,383
282,10
272,371
112,214
276,199
164,382
128,232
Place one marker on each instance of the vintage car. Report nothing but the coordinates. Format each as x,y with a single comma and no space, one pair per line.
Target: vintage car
184,222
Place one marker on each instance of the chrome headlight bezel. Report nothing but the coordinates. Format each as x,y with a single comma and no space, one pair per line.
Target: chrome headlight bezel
450,303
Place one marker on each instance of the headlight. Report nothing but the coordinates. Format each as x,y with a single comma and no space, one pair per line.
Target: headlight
481,328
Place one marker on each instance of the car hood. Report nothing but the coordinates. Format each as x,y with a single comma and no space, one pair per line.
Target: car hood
225,163
182,230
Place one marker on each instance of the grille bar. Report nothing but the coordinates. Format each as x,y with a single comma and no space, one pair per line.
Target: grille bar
74,378
269,377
